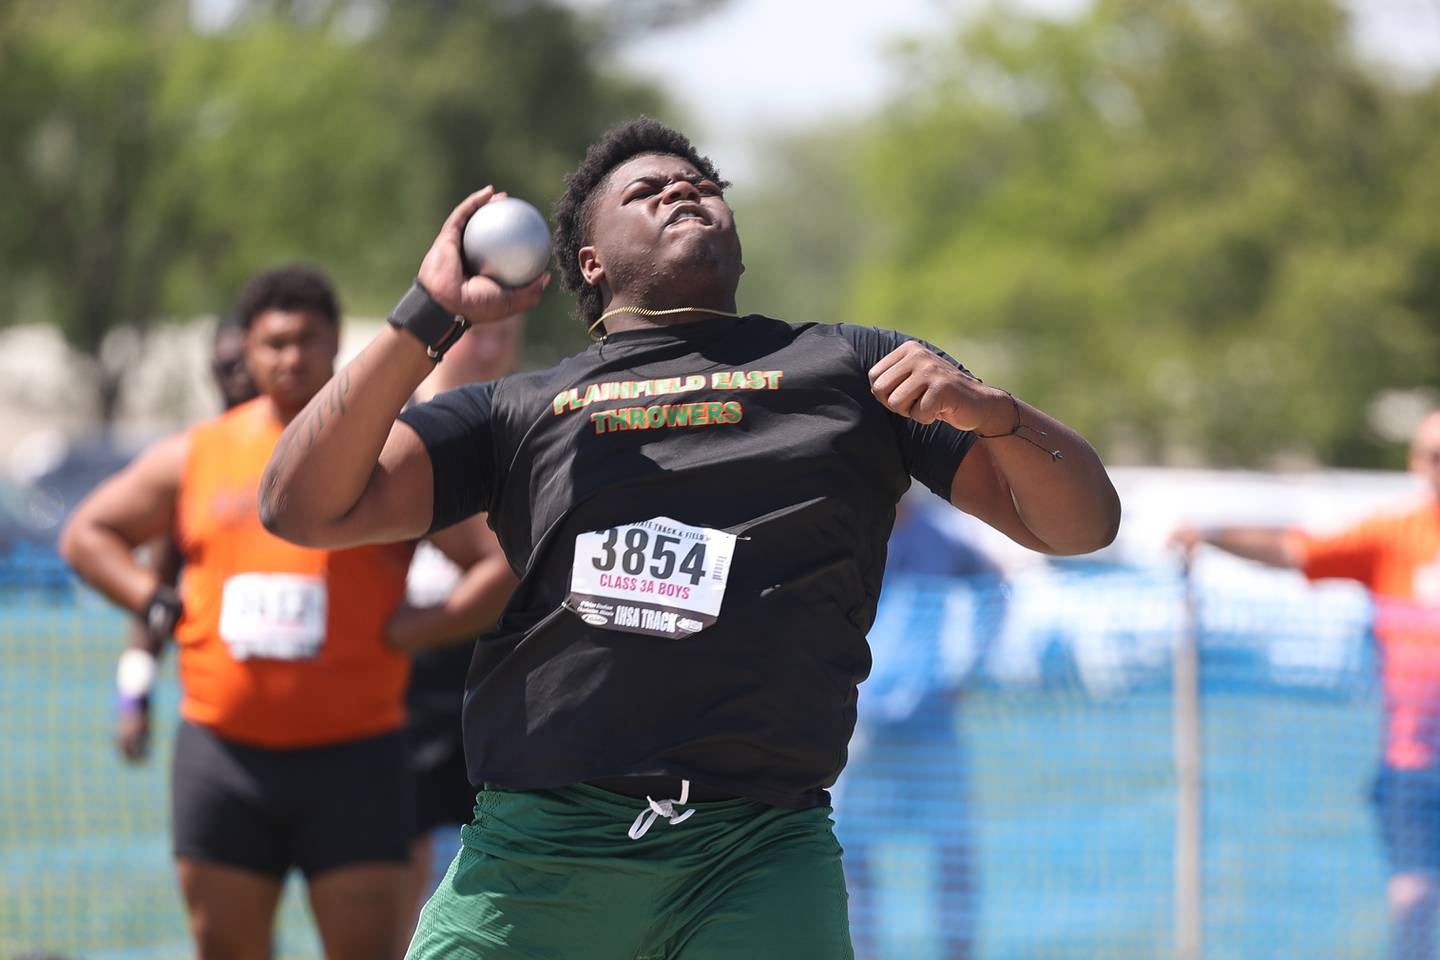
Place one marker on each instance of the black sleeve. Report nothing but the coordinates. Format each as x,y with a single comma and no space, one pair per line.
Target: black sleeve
457,432
932,451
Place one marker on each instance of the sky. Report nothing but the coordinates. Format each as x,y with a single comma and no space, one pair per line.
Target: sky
760,65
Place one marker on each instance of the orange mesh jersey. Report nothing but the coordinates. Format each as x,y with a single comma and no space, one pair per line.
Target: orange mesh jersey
280,646
1398,558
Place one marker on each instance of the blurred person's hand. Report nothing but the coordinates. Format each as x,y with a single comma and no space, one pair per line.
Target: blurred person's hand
132,732
405,629
1185,539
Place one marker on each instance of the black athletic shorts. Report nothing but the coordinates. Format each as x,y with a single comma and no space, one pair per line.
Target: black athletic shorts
436,740
443,795
268,810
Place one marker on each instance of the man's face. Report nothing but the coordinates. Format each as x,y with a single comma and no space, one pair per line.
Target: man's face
227,366
656,223
291,354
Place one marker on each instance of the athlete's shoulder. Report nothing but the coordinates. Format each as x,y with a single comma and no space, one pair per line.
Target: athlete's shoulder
522,391
533,380
761,323
860,333
870,345
243,416
857,334
1392,528
761,327
867,345
230,426
163,462
1403,522
764,321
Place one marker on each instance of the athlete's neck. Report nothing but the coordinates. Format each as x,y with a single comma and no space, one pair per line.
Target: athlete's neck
621,316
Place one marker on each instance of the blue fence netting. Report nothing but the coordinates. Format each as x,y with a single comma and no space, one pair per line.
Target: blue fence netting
1011,791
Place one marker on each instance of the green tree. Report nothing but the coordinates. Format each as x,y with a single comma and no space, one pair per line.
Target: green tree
520,121
85,220
1191,228
151,168
803,226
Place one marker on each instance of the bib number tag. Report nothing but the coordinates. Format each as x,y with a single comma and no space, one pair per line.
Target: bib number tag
274,616
659,577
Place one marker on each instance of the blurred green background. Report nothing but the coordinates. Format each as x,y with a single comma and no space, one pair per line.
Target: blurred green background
1203,232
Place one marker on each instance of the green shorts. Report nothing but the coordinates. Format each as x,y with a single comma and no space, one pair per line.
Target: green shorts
554,875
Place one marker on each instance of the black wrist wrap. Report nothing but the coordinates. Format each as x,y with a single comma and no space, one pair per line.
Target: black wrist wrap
162,611
427,321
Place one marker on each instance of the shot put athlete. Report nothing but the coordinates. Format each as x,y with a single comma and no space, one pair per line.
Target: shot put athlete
699,503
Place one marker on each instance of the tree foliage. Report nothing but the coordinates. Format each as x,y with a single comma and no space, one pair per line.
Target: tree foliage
151,167
1189,227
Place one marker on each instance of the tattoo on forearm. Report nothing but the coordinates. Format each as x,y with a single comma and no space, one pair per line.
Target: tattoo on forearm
301,437
330,402
334,395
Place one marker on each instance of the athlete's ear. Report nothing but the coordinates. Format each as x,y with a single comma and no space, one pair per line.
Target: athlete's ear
590,266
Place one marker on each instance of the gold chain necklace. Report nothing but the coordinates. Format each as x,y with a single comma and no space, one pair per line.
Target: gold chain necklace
647,312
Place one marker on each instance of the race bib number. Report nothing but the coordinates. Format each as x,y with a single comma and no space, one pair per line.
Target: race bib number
659,577
275,616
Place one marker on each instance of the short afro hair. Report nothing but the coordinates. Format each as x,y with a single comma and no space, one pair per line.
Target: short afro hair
573,210
293,288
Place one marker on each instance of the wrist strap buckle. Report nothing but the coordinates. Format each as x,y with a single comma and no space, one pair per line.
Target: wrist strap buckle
436,351
422,317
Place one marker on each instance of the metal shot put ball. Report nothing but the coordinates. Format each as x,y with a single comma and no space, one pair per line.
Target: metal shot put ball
507,240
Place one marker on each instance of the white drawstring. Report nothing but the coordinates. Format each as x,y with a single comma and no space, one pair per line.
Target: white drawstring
656,809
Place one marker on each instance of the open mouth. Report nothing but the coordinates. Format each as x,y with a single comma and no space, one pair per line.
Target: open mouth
687,212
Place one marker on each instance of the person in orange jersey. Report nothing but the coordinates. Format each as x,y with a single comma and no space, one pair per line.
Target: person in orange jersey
290,751
1397,557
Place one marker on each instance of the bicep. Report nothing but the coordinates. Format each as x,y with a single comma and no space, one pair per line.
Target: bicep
138,503
979,489
398,499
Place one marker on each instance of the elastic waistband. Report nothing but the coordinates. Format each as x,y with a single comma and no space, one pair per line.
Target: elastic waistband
659,788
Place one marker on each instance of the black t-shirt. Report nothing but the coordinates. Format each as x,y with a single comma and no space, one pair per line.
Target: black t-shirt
433,704
764,429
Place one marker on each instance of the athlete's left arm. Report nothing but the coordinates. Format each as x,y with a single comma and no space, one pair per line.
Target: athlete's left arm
477,600
1042,485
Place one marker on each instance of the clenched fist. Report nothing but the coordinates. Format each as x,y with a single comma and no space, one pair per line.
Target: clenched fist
915,382
132,732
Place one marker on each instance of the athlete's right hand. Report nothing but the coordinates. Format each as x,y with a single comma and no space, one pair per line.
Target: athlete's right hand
476,298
